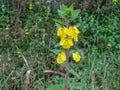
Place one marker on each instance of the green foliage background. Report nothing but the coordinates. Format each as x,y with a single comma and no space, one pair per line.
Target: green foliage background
99,68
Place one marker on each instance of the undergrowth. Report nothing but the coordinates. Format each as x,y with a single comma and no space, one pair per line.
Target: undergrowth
98,44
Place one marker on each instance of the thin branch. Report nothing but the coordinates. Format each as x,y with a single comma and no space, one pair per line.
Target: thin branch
67,68
27,79
26,62
54,72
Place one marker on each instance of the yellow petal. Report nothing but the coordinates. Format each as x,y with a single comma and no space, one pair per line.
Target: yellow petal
66,31
114,1
60,31
70,42
7,28
19,56
62,41
74,33
109,45
66,43
27,33
18,52
76,30
75,38
30,6
63,56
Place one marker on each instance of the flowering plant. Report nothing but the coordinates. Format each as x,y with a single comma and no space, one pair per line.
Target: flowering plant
68,36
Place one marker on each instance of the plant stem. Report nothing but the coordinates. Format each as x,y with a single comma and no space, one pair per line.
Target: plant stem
67,68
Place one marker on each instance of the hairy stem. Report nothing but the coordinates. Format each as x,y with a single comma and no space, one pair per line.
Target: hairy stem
67,68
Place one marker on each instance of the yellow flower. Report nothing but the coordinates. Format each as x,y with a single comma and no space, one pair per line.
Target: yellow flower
66,42
114,1
109,45
76,57
7,28
74,33
61,58
27,32
62,32
19,54
30,6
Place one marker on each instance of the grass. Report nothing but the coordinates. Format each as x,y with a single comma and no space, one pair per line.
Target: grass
95,72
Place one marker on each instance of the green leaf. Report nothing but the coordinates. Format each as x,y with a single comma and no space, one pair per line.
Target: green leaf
117,46
72,51
63,7
76,86
59,21
64,11
61,14
57,45
56,51
71,8
57,25
74,73
54,87
75,14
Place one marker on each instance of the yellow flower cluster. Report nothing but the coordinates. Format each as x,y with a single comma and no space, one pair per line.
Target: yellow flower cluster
19,54
7,28
67,35
30,6
114,1
62,57
109,45
27,32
